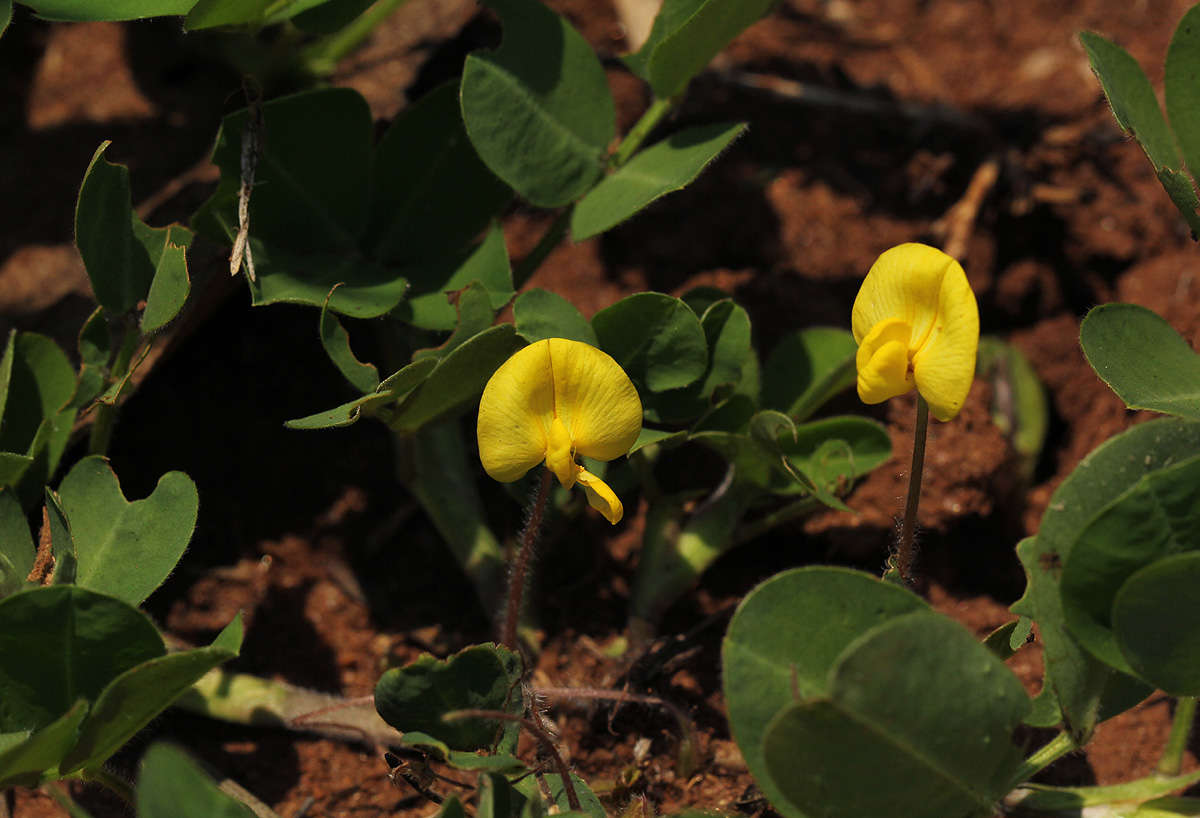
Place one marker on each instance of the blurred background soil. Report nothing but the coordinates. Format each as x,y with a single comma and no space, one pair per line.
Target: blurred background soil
868,122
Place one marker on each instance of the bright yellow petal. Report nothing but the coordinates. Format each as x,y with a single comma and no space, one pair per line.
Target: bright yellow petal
882,362
600,496
515,413
595,399
560,459
944,366
904,282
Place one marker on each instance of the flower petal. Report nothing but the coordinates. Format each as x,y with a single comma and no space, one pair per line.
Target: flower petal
595,399
944,366
600,496
882,361
559,457
515,413
904,282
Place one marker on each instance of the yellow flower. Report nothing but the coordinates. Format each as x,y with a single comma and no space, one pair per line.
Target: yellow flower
916,324
551,401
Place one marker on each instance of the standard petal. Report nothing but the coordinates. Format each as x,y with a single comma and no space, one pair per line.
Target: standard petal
944,366
595,399
904,282
882,362
600,496
515,413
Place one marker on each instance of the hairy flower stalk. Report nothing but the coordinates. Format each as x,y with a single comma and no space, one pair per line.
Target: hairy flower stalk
549,403
917,326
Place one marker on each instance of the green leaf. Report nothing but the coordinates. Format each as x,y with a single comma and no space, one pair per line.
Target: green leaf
833,452
367,289
538,109
475,314
685,37
727,334
1156,623
1158,516
1146,362
1181,89
25,763
529,787
215,13
458,380
124,256
309,205
331,16
62,543
95,349
432,194
171,283
1135,107
540,314
430,303
65,10
16,545
481,677
390,391
807,368
501,763
5,15
336,342
668,166
130,701
783,640
1075,678
917,707
73,642
37,416
655,338
1132,99
172,786
126,549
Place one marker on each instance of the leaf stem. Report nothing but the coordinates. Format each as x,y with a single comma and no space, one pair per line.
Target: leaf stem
641,129
322,56
908,530
1058,747
518,579
106,412
1181,728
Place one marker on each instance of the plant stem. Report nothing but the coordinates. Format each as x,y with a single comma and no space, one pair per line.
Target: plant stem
322,56
908,530
534,730
641,129
1181,728
518,579
1058,747
558,228
106,413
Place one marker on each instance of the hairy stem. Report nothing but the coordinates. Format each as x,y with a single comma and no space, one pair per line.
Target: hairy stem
118,785
518,579
908,530
1181,728
538,733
